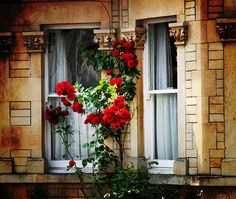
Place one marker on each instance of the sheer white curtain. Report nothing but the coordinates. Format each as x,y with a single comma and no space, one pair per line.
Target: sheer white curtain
65,63
165,104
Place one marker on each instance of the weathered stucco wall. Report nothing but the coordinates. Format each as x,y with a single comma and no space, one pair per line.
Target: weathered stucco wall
206,59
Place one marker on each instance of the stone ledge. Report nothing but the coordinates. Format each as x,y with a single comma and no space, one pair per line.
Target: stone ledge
154,179
193,180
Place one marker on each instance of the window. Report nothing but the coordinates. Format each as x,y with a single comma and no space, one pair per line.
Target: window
160,103
64,62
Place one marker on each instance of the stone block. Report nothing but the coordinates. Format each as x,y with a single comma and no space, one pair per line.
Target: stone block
36,64
36,165
215,162
216,118
220,145
188,92
189,127
192,171
191,110
181,167
189,145
191,118
192,162
229,167
216,171
212,35
188,84
190,4
6,166
190,18
190,48
220,137
216,64
214,153
219,91
219,74
20,121
191,100
216,109
188,75
190,11
191,65
215,46
20,161
220,83
216,100
19,64
20,105
217,54
191,153
20,113
220,127
19,57
189,137
19,73
20,169
190,56
20,153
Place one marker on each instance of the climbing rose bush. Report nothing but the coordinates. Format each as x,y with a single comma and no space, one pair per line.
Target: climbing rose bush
108,106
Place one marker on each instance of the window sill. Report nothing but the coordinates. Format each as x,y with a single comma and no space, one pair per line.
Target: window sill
154,179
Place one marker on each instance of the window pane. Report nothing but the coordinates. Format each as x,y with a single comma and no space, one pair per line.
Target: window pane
65,61
163,75
81,134
166,135
162,58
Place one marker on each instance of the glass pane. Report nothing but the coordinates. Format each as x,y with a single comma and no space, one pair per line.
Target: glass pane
81,134
65,61
166,128
162,58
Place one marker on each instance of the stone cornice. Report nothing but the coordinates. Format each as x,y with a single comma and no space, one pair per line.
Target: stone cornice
104,37
6,42
138,35
35,41
180,32
226,29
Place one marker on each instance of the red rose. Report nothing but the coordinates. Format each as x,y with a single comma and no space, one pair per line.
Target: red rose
125,114
64,113
121,42
58,109
118,80
72,163
109,72
77,107
115,53
71,96
65,102
132,63
119,101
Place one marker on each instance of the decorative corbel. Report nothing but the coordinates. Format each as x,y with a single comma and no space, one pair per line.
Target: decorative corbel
6,42
138,35
35,41
226,29
179,31
104,37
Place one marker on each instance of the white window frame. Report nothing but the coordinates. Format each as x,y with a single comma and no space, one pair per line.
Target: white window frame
164,166
60,166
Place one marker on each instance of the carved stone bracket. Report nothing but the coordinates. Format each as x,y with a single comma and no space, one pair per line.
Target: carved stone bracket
35,41
138,35
104,38
180,32
6,42
226,29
